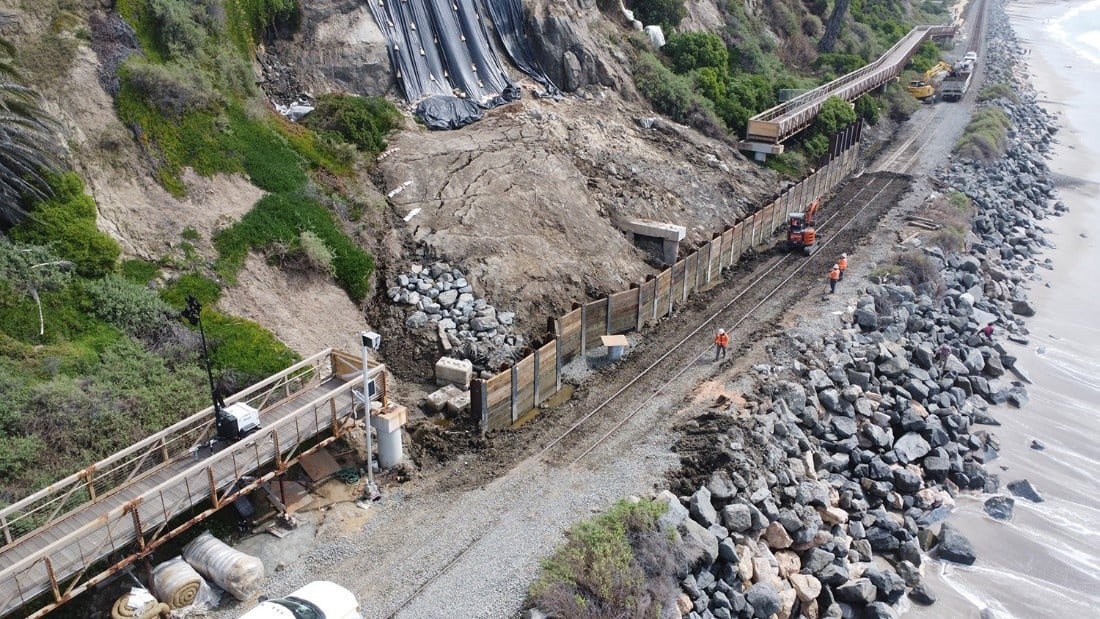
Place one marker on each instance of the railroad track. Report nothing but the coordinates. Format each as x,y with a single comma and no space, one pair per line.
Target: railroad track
907,154
642,385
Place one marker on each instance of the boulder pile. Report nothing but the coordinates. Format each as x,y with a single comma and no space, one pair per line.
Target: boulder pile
440,297
858,444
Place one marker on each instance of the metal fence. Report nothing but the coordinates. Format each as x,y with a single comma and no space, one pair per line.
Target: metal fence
503,399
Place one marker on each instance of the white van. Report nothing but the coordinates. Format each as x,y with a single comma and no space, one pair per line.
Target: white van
317,600
971,56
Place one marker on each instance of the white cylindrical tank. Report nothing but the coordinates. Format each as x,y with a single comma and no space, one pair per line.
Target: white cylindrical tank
239,574
327,598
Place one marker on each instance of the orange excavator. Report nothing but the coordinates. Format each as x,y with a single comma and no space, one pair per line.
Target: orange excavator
801,233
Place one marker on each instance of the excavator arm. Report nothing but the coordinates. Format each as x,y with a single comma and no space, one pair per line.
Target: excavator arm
924,88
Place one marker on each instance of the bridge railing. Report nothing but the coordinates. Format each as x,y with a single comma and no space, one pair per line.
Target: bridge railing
99,480
216,479
777,123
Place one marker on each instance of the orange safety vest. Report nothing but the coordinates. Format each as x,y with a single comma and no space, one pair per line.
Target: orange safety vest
834,274
722,339
843,264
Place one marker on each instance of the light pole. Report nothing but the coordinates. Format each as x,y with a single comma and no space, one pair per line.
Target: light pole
193,314
369,341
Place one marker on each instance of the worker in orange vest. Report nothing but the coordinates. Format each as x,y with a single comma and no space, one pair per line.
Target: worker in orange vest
843,264
721,342
834,277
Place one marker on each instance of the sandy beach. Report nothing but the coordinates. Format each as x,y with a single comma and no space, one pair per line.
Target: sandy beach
1044,563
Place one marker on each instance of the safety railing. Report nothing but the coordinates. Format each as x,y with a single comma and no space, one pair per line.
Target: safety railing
780,122
214,480
101,479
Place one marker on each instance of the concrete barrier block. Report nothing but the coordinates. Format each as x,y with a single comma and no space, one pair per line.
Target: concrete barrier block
459,404
436,400
454,371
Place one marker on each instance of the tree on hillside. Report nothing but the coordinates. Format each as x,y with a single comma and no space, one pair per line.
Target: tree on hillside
832,27
30,270
27,148
664,13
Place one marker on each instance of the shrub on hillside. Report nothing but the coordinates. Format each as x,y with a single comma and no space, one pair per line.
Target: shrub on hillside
694,50
900,105
174,90
986,135
665,13
67,224
669,93
998,91
621,564
361,121
131,307
867,108
281,219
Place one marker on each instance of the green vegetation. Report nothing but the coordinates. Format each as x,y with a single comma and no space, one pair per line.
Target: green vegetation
926,57
986,135
280,219
1000,90
621,564
716,81
362,122
67,223
665,13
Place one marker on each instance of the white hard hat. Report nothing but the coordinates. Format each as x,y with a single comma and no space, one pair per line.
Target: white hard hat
843,255
836,266
721,331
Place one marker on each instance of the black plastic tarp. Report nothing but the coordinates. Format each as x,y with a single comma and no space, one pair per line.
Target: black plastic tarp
508,22
443,58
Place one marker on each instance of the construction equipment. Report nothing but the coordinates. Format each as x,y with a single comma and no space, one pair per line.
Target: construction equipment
925,88
801,233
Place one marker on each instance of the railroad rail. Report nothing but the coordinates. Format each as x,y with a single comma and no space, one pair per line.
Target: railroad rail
767,130
81,530
640,390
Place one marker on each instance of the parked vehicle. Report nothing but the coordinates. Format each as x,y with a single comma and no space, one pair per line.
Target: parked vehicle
317,600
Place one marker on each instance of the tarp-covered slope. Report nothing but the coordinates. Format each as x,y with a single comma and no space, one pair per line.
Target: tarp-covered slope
444,60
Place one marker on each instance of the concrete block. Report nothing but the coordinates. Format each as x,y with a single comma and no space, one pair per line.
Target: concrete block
454,371
458,404
391,419
436,400
656,229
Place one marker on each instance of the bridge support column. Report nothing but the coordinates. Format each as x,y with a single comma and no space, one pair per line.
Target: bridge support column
388,424
760,150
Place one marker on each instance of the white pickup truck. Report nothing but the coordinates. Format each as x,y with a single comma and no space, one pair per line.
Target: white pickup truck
317,600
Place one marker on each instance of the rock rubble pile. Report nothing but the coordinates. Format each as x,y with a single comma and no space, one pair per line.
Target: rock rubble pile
861,443
441,297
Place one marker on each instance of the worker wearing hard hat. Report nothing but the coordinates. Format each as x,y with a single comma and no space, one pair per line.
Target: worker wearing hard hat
834,277
721,343
843,264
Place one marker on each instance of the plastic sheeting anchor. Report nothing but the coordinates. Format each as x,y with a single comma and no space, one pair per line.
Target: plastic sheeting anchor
422,52
463,38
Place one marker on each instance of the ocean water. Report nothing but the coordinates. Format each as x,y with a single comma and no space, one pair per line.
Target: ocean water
1046,561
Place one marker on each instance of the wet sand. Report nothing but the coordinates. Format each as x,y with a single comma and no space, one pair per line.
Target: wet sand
1046,561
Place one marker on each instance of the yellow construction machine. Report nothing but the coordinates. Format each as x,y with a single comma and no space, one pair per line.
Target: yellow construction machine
924,88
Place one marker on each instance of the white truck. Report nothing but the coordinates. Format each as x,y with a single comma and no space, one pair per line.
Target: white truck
317,600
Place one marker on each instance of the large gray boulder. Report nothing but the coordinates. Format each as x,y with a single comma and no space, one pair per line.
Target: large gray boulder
954,546
764,600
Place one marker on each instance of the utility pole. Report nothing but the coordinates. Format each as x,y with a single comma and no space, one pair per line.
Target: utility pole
193,314
369,340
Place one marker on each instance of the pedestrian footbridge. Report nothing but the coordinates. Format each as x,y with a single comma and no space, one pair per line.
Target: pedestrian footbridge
79,531
767,130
